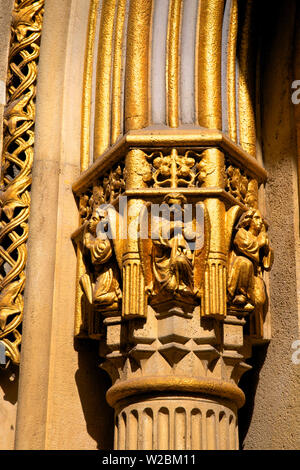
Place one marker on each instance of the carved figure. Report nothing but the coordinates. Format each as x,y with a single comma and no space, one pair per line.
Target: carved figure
101,286
172,264
250,257
171,268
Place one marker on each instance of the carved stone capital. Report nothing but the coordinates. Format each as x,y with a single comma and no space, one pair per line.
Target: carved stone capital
186,257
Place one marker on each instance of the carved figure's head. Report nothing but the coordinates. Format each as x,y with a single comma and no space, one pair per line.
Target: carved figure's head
93,222
252,220
176,199
257,222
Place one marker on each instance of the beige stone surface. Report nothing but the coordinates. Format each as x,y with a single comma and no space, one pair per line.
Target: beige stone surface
271,418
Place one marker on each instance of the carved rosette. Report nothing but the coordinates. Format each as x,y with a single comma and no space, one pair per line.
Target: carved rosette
176,342
17,160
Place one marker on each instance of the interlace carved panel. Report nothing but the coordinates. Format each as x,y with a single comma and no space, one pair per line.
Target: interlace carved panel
17,159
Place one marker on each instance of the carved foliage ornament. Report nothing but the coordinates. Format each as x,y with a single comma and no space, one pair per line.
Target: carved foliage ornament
175,170
17,159
240,185
106,191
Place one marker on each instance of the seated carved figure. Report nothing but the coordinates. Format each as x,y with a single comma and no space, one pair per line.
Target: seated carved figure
172,265
173,255
250,257
102,285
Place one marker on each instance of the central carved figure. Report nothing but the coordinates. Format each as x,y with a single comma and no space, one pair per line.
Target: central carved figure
173,264
176,263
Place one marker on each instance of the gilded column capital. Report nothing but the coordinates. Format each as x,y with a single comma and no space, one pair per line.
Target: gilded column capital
174,249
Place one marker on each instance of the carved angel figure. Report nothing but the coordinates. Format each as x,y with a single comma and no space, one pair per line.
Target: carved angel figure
102,286
171,268
172,264
250,257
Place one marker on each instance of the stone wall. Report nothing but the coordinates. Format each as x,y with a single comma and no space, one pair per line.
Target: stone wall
270,419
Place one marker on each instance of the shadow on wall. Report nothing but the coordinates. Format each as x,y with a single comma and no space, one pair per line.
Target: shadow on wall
248,384
9,383
92,384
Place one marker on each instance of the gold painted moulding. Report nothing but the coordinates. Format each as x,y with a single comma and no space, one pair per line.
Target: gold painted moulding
208,387
185,139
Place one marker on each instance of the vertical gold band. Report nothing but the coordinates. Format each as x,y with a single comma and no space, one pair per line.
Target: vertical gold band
103,86
117,73
137,65
172,66
87,87
209,63
231,69
245,99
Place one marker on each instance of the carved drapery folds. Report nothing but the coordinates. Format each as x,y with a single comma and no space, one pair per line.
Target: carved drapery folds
173,284
17,159
250,255
173,251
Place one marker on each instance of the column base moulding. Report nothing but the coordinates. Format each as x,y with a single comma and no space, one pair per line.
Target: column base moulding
212,387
